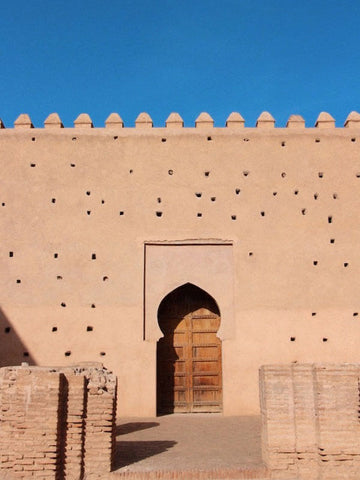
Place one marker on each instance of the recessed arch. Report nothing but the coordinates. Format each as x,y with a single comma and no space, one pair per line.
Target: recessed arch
189,372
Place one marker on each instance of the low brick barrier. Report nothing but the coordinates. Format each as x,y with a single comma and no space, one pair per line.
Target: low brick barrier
311,421
56,423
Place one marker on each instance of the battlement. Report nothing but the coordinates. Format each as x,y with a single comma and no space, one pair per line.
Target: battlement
174,121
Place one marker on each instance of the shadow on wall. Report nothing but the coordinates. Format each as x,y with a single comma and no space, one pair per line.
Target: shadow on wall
12,350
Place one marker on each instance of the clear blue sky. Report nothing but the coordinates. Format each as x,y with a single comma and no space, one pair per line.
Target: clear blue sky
188,56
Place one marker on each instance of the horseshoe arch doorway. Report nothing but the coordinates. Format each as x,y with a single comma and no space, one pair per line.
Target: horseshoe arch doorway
189,367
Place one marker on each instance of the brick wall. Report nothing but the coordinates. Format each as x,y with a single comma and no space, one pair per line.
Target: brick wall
311,421
49,418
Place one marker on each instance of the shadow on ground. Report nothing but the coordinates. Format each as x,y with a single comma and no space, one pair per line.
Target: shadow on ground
128,453
134,427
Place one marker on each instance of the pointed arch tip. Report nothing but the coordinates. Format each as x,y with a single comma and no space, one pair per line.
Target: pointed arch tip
235,120
53,121
353,120
325,120
265,120
204,120
83,121
23,121
2,125
174,120
114,120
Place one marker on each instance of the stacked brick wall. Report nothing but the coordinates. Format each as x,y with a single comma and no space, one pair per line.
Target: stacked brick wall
310,421
49,418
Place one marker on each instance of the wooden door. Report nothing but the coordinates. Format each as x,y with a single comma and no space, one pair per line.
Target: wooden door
189,354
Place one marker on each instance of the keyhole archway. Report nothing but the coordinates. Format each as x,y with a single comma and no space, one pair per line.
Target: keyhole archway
189,366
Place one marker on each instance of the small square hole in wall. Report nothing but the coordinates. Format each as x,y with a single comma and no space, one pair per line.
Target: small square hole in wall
102,202
262,214
207,173
335,196
346,264
59,277
283,144
316,196
93,305
89,328
18,280
303,211
32,165
131,171
317,140
353,139
213,199
93,256
321,174
11,254
233,217
121,212
237,191
56,255
274,193
251,254
3,204
72,165
283,174
63,304
198,194
26,354
332,240
159,199
324,339
115,137
355,314
7,329
159,214
105,278
296,192
209,139
199,214
88,193
88,212
54,329
163,140
292,339
315,262
53,200
246,173
74,138
102,354
313,314
33,139
330,219
67,353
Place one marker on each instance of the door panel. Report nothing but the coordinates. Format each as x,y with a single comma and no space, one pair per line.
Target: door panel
189,355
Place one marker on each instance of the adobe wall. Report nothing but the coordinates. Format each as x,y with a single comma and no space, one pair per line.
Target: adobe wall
310,421
56,423
81,208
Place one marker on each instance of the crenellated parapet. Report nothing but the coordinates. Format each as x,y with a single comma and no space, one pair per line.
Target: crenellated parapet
174,121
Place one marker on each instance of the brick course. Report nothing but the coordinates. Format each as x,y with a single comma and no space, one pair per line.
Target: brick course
311,421
49,418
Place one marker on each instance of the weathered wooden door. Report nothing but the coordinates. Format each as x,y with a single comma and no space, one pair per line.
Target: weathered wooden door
189,354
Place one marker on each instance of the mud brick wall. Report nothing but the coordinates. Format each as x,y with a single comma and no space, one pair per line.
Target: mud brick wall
49,418
311,421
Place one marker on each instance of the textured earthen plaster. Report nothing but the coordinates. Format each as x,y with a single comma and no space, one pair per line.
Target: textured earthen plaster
286,199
